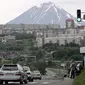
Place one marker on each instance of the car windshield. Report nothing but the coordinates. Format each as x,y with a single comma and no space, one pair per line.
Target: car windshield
36,72
26,68
10,67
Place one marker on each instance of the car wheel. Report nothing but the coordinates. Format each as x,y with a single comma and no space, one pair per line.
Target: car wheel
31,80
1,82
6,82
21,82
25,81
40,78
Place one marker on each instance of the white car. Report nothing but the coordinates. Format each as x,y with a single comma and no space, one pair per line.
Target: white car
36,75
29,73
12,73
30,76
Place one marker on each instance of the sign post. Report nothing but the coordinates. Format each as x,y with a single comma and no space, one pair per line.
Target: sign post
84,61
82,50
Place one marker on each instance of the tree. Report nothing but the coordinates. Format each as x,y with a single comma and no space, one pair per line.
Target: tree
41,66
50,63
77,57
40,54
66,53
20,36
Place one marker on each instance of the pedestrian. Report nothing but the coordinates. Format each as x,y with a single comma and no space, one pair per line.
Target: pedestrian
79,68
73,70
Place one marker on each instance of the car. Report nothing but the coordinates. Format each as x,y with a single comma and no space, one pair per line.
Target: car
30,76
29,73
12,73
36,75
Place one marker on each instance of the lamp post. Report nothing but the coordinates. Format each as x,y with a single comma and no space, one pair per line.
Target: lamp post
79,12
82,51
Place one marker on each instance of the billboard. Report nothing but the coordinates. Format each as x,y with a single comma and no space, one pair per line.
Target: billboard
82,49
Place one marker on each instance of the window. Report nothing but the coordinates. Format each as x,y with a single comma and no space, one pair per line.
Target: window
73,41
50,41
20,68
58,41
10,67
66,42
68,32
46,34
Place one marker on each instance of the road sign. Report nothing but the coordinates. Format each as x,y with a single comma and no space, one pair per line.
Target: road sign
82,49
84,17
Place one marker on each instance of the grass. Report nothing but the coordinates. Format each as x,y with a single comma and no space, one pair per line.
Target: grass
80,80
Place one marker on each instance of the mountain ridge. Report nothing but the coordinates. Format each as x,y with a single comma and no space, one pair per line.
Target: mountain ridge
47,13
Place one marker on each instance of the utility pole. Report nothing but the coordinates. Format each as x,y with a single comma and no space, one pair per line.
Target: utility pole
43,40
82,49
82,42
79,12
23,27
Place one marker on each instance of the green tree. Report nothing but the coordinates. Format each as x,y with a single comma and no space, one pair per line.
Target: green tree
41,66
50,63
20,36
65,53
40,54
77,57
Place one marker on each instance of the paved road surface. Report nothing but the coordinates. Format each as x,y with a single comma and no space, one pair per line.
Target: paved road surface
46,82
48,79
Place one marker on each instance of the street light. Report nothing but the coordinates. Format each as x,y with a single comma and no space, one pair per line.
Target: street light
78,15
84,17
82,51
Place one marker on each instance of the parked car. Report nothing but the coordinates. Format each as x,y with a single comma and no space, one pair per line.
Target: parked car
36,75
29,73
12,73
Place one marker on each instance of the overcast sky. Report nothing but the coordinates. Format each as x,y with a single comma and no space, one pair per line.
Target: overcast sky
9,9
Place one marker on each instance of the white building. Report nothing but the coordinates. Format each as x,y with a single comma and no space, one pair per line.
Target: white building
70,35
48,33
8,38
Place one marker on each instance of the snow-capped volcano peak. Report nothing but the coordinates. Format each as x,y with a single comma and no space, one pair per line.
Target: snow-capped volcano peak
47,4
47,13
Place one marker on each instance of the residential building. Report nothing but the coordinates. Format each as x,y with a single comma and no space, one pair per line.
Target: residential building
47,33
70,23
8,38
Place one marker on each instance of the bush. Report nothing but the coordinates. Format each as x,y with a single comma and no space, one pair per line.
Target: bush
41,66
50,63
80,80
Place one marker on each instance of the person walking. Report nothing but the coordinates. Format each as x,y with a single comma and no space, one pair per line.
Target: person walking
73,70
79,68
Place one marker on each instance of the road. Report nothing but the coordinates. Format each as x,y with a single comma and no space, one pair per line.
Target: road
46,82
48,79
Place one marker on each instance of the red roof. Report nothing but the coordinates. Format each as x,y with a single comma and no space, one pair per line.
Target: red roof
81,27
70,20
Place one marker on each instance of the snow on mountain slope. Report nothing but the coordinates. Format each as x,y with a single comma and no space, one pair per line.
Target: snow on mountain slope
47,13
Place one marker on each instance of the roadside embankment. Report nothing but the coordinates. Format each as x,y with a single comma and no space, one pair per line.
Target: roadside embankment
80,80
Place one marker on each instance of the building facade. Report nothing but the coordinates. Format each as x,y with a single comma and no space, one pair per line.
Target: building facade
70,23
48,33
70,35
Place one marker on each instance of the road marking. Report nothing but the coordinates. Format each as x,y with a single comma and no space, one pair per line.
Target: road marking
45,82
32,82
13,82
